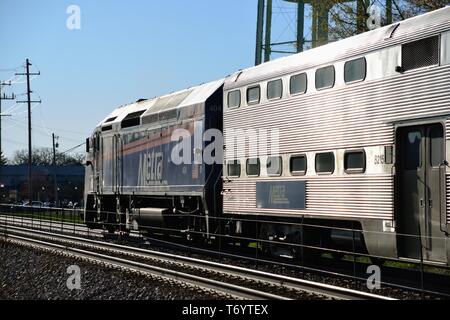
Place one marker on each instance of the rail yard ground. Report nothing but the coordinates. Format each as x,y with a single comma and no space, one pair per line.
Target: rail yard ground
28,274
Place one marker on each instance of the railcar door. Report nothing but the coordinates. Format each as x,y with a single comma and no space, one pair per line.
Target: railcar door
420,192
118,163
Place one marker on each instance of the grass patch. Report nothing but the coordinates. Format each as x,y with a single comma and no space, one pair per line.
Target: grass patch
49,216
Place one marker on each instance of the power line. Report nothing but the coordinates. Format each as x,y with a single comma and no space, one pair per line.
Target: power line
44,132
71,149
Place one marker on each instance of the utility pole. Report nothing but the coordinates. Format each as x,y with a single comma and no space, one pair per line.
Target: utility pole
29,102
55,145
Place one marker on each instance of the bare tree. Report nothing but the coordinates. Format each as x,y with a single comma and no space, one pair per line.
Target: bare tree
44,157
348,18
3,159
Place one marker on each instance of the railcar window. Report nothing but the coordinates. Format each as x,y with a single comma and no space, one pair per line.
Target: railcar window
234,168
355,161
420,53
325,163
298,83
274,166
275,89
325,78
234,99
355,70
110,119
253,167
253,95
299,165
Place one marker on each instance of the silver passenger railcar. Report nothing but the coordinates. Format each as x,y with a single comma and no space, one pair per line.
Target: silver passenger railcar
363,129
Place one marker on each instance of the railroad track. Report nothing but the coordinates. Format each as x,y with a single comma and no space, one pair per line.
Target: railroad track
234,281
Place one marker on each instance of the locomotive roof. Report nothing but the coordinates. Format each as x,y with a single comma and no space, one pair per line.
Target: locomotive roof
184,98
176,100
412,28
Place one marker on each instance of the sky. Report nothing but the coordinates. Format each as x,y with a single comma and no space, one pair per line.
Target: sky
124,51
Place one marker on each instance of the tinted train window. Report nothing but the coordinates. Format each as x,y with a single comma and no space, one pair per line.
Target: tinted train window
420,53
274,166
234,99
436,143
355,70
298,165
253,167
413,154
275,89
298,84
325,163
253,95
325,78
355,161
234,168
132,119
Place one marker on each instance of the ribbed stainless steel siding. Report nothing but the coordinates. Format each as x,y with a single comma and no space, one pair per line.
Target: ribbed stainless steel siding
355,116
447,131
350,117
350,196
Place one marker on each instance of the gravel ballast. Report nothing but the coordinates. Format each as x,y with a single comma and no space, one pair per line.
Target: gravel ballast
30,273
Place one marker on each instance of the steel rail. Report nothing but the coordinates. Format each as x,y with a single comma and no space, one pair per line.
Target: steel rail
220,287
331,291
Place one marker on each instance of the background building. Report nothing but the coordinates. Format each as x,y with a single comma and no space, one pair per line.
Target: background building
69,185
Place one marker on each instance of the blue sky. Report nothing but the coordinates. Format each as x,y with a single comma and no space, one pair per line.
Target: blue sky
125,50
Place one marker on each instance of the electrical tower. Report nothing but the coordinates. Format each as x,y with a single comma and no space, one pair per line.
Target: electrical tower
319,24
29,102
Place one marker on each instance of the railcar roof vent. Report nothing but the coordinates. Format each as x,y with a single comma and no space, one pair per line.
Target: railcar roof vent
421,53
132,119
